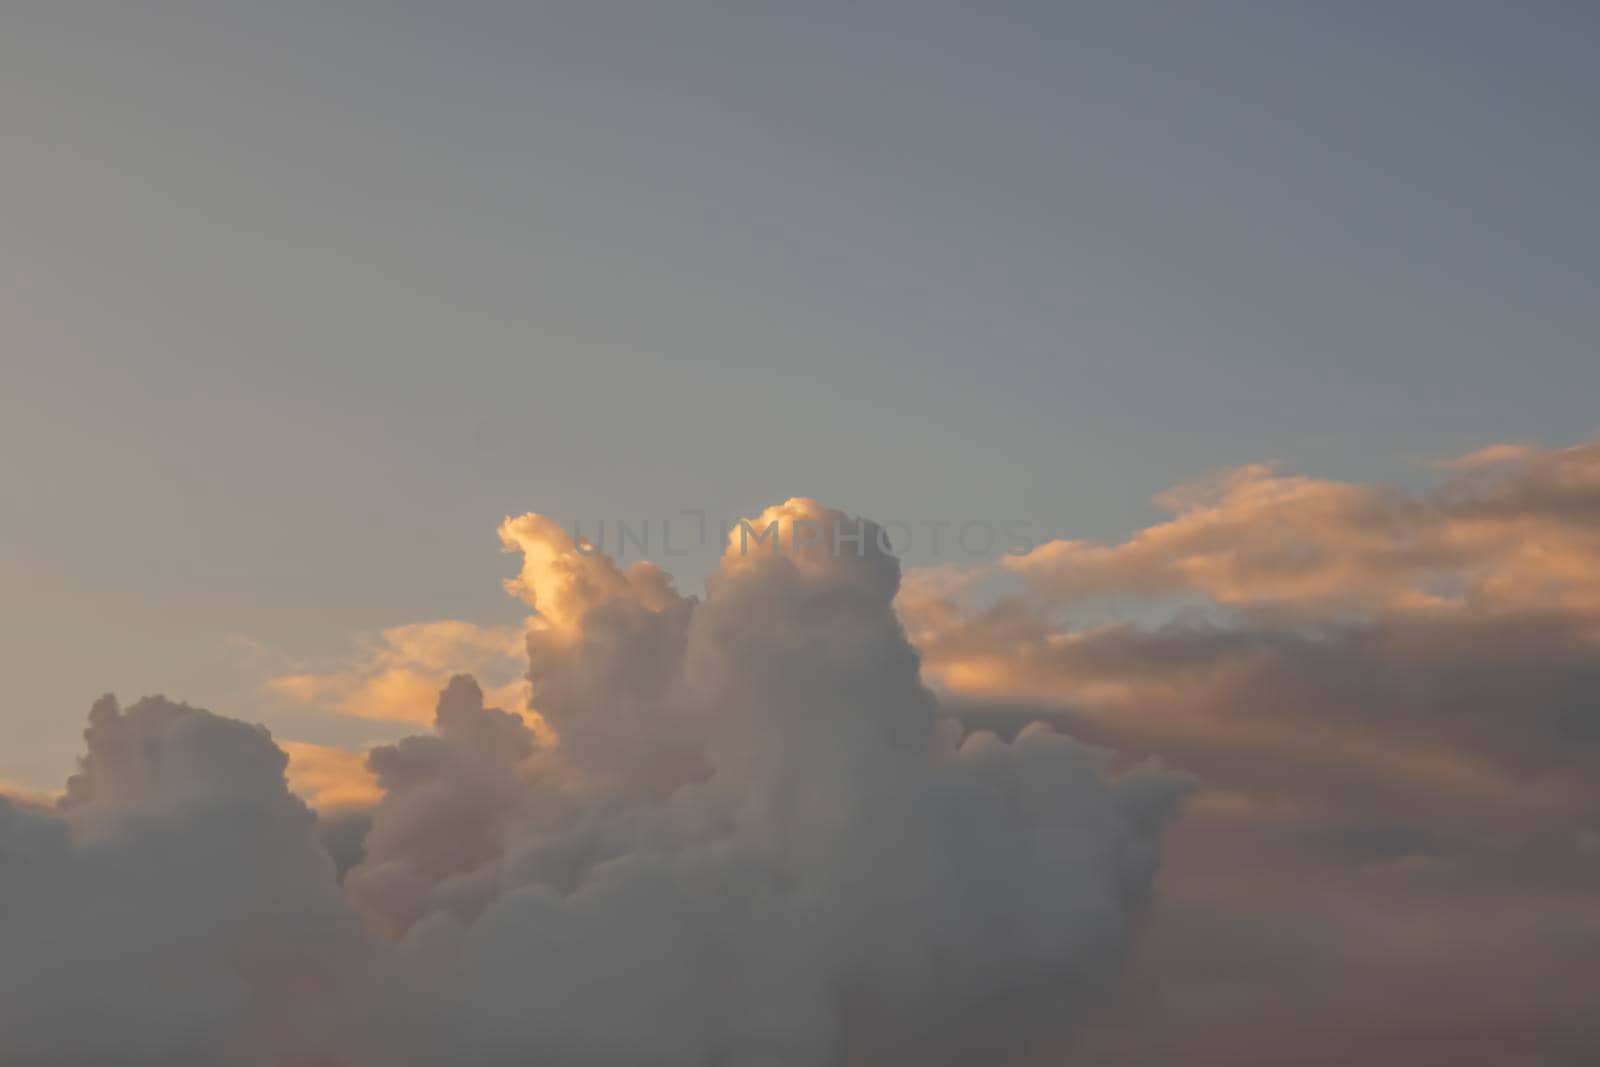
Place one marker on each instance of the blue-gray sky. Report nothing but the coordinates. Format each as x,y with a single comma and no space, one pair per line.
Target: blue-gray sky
298,300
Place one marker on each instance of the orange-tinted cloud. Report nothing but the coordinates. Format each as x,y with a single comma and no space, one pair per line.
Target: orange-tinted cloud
329,778
398,674
23,794
1392,703
754,802
1513,531
561,583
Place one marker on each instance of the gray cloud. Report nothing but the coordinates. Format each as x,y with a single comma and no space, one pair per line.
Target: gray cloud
758,841
1391,704
736,831
175,908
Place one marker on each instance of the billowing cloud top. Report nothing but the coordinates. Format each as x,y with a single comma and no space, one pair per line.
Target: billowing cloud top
736,831
174,907
804,819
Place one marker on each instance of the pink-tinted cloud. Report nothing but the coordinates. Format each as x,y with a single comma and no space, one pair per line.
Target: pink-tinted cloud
1500,538
1392,703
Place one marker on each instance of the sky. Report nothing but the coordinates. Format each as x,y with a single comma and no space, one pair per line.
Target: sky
301,300
303,305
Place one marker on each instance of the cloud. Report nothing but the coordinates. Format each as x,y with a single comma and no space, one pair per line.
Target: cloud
329,778
741,828
1509,537
740,831
1391,703
398,674
1447,641
175,909
1492,455
27,795
756,841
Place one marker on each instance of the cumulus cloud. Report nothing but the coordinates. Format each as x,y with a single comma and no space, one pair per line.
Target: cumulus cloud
755,841
174,908
739,830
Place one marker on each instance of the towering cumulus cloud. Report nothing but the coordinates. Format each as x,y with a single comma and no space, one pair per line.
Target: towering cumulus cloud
734,832
753,843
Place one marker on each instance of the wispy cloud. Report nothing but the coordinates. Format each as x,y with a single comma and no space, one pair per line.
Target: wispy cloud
397,674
